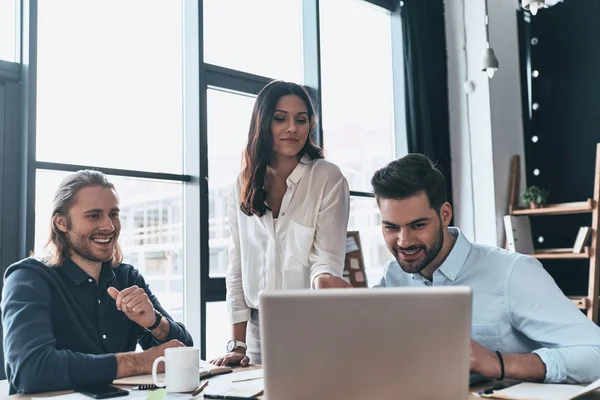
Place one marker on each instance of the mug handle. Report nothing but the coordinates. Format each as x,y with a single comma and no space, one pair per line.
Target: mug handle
154,368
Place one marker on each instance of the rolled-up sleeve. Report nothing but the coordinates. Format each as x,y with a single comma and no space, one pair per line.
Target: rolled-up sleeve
570,342
235,300
33,363
329,248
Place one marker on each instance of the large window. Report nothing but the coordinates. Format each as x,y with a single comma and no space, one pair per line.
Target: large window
126,87
9,30
276,39
262,37
218,329
228,122
358,110
110,96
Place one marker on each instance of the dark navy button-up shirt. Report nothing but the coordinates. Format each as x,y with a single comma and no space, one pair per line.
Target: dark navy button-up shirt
62,328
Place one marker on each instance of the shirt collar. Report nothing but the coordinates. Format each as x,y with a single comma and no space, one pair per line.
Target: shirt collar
299,171
78,276
458,255
75,274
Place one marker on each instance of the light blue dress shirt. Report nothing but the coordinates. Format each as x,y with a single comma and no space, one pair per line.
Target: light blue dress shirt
517,308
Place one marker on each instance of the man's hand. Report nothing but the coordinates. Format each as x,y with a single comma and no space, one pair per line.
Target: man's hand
327,281
237,356
130,364
136,305
158,351
485,362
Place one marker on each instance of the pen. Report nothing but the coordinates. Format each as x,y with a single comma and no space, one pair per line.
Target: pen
225,397
200,389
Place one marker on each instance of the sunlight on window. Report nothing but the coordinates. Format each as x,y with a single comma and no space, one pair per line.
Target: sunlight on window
218,329
111,94
228,123
262,37
9,34
358,110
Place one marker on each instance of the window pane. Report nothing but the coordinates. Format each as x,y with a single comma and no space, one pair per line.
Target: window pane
151,231
262,37
228,122
357,88
366,219
109,93
218,329
9,36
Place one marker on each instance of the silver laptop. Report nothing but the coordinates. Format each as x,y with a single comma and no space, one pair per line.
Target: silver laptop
408,343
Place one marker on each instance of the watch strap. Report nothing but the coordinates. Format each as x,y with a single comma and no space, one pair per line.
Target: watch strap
156,322
235,344
240,344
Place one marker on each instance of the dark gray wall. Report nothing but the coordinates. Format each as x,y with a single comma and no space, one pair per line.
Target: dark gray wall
567,123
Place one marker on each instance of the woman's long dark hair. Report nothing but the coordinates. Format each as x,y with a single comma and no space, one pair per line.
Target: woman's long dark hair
259,148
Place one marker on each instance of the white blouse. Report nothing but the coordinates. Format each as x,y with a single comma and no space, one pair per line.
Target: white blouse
309,238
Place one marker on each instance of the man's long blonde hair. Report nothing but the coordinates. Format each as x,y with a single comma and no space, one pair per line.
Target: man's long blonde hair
57,244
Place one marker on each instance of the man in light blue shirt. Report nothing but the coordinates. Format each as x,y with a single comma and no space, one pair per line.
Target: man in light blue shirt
522,322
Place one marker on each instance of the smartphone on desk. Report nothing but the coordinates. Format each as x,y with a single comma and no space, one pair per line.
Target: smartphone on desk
102,391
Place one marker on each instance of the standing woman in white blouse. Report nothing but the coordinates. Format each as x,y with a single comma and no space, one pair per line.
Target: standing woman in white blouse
288,215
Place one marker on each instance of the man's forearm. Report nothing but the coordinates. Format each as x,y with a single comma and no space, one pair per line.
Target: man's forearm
526,367
161,332
130,364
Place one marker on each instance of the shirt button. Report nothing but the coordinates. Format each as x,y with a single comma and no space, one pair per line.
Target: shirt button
103,336
289,188
282,214
99,302
90,280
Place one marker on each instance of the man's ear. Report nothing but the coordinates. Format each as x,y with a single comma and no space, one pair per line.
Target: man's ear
60,221
446,214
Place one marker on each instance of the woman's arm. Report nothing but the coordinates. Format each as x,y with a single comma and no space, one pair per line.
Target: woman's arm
329,249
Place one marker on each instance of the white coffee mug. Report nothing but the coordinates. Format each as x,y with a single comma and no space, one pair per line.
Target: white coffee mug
182,369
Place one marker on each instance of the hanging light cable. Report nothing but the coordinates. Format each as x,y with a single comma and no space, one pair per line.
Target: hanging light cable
489,61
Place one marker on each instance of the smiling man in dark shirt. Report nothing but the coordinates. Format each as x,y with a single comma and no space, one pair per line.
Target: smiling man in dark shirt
74,318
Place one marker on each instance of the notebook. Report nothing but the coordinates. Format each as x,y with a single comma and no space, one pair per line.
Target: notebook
206,371
543,391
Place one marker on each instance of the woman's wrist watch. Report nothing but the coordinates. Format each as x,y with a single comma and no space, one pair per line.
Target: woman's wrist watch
234,344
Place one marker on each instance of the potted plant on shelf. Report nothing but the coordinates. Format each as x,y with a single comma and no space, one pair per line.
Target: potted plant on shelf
535,196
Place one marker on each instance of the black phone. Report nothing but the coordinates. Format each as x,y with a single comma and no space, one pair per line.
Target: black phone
102,391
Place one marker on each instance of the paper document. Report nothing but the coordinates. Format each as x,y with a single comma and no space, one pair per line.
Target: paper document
240,389
543,391
249,383
247,375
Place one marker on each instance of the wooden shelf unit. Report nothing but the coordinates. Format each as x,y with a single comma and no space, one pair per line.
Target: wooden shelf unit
579,207
548,254
580,301
591,302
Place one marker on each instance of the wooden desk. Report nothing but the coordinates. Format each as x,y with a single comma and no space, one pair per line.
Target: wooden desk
4,391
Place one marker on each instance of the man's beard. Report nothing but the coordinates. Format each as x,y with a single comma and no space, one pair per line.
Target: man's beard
430,254
84,249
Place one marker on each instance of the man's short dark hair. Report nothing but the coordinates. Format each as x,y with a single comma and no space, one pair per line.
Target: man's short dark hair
409,176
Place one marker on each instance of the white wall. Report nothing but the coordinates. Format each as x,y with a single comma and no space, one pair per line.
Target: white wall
486,127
